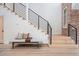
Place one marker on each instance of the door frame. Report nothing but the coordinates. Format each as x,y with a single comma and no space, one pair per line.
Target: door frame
65,18
2,29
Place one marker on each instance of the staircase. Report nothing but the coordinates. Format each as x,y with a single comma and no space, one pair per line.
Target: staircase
39,28
60,41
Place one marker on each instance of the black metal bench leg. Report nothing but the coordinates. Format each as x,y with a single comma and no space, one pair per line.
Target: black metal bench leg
12,45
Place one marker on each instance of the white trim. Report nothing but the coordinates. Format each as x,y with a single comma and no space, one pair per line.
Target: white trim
65,25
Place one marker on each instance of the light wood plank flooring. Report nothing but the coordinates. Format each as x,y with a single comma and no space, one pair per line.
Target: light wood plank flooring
62,46
63,42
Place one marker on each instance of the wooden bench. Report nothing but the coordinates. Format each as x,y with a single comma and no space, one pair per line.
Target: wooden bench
26,43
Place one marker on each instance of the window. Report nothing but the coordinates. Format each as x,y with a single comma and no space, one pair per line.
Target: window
65,18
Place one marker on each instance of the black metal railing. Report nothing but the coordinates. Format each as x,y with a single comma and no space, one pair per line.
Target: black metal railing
40,23
18,8
72,32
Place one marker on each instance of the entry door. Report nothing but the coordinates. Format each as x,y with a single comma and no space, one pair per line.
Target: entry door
1,29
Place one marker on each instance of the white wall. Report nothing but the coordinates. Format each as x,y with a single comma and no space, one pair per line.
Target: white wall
14,25
51,12
75,5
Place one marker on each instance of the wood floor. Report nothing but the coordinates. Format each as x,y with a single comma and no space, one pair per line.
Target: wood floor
62,46
63,42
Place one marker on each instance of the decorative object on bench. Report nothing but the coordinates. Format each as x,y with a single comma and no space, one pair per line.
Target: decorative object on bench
27,37
19,36
22,36
28,40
